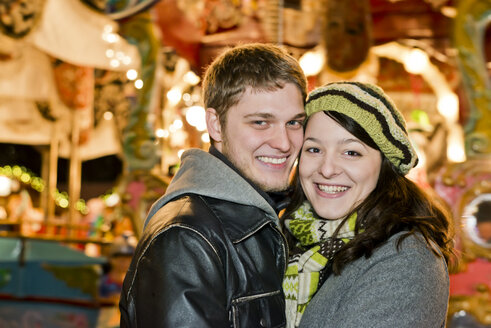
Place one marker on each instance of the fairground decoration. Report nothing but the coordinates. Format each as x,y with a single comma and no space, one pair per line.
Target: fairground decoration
19,17
470,26
467,186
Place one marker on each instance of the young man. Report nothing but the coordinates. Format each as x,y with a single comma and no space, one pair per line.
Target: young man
211,254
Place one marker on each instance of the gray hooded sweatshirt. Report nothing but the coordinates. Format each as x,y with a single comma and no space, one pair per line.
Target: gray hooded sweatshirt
203,174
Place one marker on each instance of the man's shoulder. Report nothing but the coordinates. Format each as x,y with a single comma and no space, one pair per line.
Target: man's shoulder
208,216
186,209
192,219
186,215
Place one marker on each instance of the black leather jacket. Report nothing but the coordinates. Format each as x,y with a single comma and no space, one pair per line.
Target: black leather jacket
205,262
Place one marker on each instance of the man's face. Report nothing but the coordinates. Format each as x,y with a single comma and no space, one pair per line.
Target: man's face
263,135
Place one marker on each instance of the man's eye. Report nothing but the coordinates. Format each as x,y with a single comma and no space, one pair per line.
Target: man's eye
295,123
259,122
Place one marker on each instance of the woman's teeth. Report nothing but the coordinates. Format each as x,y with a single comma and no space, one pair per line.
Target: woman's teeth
332,189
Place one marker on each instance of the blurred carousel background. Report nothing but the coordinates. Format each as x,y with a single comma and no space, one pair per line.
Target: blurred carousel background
98,99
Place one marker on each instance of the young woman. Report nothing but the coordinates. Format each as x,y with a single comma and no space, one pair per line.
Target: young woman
368,247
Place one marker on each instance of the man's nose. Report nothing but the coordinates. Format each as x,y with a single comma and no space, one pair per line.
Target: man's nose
281,140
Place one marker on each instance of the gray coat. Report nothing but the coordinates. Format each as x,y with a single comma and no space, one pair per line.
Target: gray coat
406,288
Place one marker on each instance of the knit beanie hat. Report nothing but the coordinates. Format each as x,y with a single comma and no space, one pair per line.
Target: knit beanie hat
372,109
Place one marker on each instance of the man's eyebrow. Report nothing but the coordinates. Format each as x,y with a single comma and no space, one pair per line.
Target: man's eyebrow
269,115
263,115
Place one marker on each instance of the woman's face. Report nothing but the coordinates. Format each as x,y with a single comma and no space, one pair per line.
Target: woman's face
337,170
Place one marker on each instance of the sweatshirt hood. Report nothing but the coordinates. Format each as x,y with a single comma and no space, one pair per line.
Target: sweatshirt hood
203,174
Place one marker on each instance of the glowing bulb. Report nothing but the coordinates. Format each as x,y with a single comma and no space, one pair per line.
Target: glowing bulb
92,250
114,63
455,144
174,96
312,62
5,186
111,37
16,171
131,74
455,153
191,78
449,11
25,178
177,124
421,159
63,203
109,53
448,106
201,126
127,60
112,199
160,133
138,84
108,28
416,61
195,115
108,115
186,97
205,137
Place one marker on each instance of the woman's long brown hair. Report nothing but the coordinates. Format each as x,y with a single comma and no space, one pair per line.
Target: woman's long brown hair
396,204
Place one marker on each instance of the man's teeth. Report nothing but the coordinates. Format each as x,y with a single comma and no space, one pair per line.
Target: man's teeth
272,160
332,189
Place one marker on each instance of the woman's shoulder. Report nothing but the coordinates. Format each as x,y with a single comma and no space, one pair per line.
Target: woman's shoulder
407,265
410,251
408,243
409,283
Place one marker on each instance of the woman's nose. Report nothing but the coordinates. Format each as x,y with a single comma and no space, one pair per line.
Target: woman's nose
330,167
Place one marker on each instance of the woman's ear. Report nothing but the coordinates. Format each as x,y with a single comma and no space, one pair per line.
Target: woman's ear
213,125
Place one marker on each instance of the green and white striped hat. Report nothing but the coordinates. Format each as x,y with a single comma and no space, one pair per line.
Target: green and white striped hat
371,108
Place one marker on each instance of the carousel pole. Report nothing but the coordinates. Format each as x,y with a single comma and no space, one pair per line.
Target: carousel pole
274,21
50,174
74,176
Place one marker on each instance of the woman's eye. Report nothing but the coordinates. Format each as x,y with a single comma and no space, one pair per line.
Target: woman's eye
312,150
352,153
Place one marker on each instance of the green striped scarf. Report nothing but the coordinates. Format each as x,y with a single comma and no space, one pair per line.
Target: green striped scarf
304,270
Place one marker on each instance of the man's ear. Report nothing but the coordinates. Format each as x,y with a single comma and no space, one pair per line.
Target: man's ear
213,125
